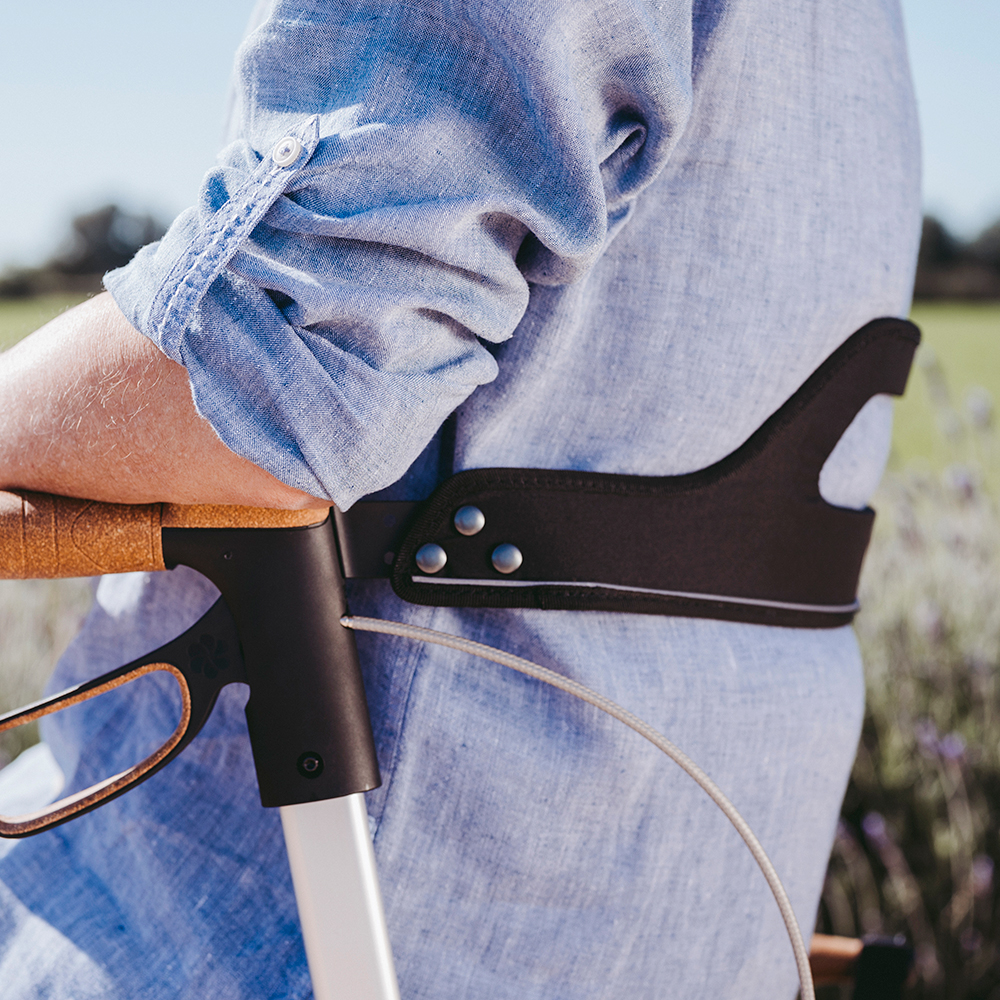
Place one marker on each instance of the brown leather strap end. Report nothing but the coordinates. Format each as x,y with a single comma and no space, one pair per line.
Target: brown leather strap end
832,959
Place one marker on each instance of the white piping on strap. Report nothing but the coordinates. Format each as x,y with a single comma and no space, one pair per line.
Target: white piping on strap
823,609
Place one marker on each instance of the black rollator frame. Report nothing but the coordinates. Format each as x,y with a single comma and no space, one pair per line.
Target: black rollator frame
277,628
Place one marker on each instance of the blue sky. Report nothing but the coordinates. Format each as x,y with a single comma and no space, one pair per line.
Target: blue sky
124,100
955,57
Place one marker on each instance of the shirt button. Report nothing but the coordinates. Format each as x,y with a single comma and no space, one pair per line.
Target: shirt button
287,151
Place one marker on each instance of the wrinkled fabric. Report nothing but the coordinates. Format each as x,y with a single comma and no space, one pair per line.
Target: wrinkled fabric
450,156
609,236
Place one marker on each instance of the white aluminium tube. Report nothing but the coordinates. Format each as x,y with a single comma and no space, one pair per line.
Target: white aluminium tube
340,905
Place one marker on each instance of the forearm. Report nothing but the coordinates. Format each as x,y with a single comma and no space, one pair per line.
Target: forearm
89,407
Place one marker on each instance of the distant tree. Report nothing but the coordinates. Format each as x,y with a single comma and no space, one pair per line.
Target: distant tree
105,239
937,245
99,242
985,248
947,268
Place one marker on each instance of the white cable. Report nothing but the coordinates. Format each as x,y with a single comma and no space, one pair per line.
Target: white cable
643,729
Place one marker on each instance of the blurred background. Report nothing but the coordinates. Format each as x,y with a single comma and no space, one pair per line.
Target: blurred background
113,109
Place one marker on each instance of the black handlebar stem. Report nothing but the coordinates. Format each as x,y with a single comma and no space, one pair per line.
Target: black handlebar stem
308,718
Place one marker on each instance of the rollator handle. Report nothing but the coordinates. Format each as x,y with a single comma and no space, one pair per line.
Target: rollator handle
281,581
43,536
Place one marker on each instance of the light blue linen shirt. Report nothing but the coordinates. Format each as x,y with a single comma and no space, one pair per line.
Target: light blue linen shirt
610,235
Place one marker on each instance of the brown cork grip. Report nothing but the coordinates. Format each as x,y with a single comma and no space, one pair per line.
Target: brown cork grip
46,536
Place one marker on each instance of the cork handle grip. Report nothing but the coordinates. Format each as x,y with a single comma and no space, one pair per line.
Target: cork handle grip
45,536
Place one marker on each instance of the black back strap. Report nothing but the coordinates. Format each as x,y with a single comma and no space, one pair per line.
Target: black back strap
748,538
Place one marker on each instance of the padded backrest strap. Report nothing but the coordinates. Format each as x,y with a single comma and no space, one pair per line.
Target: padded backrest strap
748,538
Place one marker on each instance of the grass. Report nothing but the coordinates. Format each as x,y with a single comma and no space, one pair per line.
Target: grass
961,354
38,618
18,317
918,847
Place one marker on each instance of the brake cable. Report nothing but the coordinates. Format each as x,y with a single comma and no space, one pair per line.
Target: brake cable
518,663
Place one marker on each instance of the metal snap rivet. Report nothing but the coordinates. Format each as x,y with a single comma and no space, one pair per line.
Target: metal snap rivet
507,558
469,520
287,151
431,558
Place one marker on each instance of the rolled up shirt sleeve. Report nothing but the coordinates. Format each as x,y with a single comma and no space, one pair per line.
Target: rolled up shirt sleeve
333,307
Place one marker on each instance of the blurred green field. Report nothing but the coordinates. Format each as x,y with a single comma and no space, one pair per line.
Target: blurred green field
958,359
18,317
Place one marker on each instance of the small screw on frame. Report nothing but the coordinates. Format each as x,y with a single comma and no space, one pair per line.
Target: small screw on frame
310,764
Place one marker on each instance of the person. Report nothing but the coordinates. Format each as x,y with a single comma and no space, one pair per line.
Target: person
610,235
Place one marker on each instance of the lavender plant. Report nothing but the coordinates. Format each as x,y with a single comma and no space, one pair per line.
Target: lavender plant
918,842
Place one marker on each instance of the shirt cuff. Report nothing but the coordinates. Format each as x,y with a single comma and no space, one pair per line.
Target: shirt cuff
312,405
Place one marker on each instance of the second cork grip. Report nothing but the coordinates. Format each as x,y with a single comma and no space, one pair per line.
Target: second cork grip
43,536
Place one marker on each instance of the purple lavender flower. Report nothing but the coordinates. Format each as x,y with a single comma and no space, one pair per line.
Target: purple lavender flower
952,747
927,737
971,939
982,875
874,826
